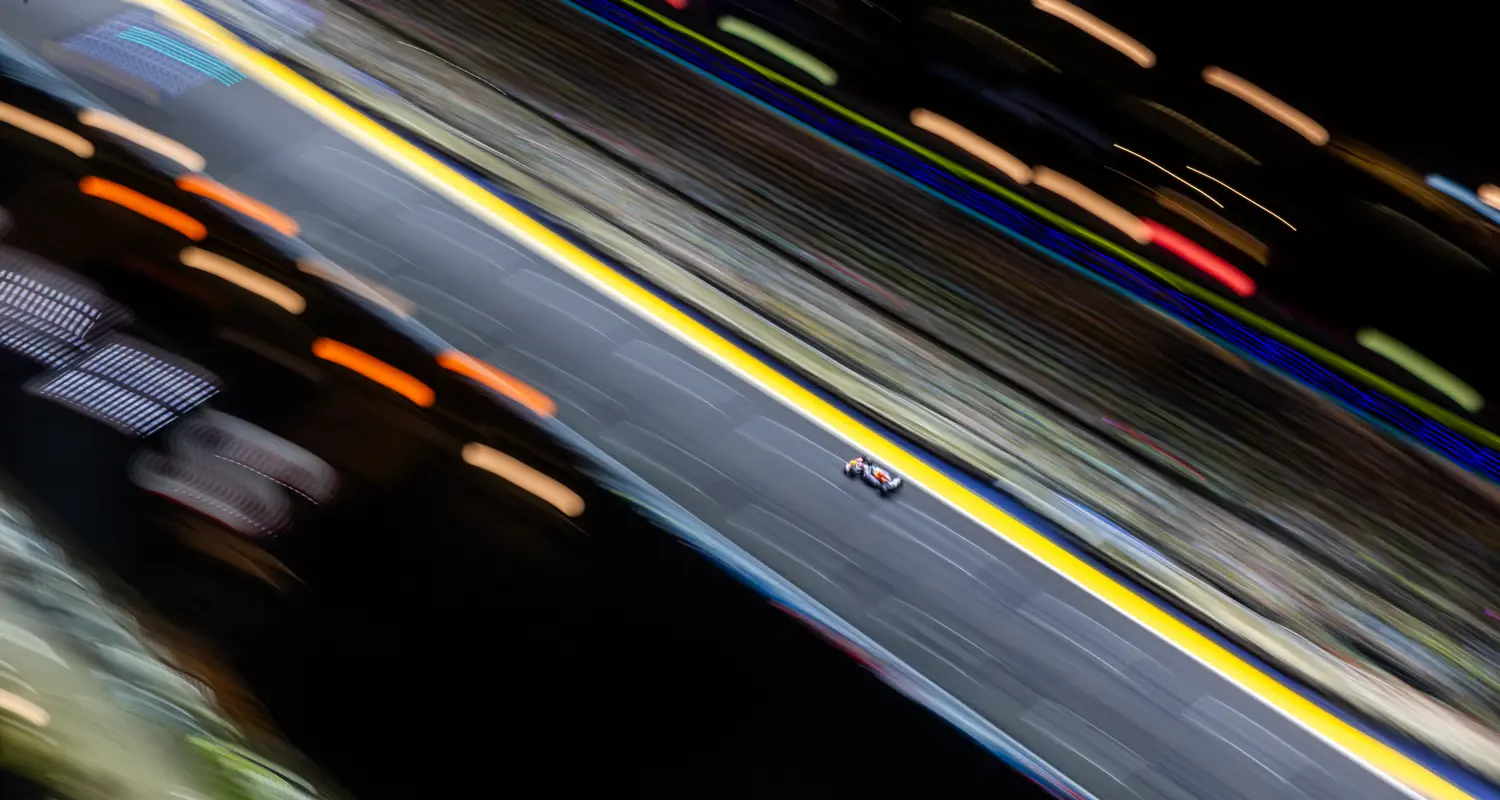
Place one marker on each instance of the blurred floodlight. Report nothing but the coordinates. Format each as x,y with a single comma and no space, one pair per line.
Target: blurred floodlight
1268,104
51,131
145,137
491,460
973,143
1092,202
1099,29
245,278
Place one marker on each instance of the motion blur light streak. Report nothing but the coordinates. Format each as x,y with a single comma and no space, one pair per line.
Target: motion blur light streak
1463,195
1157,448
1099,29
1434,239
1090,201
379,295
23,708
1195,254
996,35
491,460
1398,176
256,767
780,48
17,635
1490,194
292,362
41,128
154,210
245,278
244,204
237,473
1418,365
1244,197
973,143
144,137
251,447
369,366
480,372
242,555
1135,181
1206,219
1179,178
1203,131
1271,106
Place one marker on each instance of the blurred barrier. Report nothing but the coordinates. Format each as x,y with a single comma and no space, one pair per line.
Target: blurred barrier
1298,613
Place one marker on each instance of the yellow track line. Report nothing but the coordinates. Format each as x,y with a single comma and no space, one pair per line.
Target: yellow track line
448,182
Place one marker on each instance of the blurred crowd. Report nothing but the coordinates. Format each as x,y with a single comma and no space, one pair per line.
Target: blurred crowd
1368,550
136,711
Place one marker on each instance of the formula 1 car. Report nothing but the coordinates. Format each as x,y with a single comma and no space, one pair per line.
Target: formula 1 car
873,474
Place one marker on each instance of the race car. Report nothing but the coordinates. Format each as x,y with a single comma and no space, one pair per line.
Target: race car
873,474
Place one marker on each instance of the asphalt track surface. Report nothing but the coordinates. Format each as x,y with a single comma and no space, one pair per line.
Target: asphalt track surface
1086,688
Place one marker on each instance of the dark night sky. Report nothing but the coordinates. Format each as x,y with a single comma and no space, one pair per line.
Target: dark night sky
1414,79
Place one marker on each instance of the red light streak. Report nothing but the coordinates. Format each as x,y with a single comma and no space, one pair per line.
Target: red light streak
1195,254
